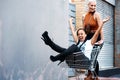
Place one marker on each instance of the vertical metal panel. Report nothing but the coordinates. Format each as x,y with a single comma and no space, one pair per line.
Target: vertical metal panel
111,2
106,55
72,13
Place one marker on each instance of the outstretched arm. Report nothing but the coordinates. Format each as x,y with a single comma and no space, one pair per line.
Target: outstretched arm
95,36
72,28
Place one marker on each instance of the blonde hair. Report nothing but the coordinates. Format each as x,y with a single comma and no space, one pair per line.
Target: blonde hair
89,1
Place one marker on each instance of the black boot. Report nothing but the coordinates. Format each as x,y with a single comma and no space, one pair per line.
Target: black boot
46,38
60,57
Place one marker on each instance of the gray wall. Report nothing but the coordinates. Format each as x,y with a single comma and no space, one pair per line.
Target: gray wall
23,55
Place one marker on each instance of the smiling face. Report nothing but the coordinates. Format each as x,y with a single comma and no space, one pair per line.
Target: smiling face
81,35
92,6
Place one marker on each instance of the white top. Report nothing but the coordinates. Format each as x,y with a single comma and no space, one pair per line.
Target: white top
86,48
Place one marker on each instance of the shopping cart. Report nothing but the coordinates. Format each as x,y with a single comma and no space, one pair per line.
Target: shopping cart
80,62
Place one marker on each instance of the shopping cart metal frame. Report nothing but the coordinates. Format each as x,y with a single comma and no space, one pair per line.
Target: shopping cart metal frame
80,62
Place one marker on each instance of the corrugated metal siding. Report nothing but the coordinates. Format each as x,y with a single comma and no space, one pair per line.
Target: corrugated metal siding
106,55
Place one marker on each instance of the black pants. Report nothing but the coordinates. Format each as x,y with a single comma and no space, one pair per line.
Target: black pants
73,48
97,68
70,50
90,35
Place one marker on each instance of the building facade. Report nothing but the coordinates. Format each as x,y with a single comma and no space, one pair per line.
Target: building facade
105,8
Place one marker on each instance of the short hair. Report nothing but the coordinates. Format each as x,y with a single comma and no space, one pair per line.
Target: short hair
91,1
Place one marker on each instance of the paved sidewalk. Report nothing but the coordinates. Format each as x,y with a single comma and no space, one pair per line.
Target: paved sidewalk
108,78
107,74
82,76
100,78
116,75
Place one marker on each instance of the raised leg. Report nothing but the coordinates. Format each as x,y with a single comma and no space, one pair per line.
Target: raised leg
50,43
